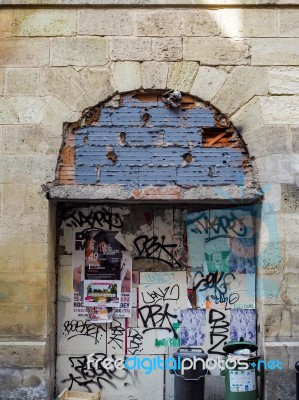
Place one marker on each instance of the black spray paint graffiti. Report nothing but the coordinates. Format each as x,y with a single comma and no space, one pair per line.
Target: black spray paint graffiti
76,328
94,375
116,335
135,341
157,317
166,294
93,219
218,331
220,226
151,248
218,283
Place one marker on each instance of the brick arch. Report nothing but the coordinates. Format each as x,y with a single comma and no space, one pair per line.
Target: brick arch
138,145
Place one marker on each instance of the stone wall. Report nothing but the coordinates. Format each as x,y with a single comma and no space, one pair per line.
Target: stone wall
57,60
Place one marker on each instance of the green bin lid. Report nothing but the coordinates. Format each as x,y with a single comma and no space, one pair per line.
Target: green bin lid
230,347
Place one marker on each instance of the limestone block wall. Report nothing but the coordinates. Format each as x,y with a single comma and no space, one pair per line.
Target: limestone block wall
56,60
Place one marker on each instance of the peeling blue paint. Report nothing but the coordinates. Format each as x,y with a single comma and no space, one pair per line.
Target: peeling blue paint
150,141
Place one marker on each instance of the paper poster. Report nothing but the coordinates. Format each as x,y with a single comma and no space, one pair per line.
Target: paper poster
102,293
193,327
126,287
78,274
100,314
103,254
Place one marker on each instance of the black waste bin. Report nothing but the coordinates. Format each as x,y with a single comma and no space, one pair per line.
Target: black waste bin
189,384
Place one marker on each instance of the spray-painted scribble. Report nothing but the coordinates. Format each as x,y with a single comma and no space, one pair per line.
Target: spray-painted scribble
103,218
77,327
116,334
243,324
162,294
219,329
193,324
151,248
93,375
157,317
134,341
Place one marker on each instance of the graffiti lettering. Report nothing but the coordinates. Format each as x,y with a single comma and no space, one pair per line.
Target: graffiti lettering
219,329
217,282
153,249
156,316
117,332
93,219
96,375
166,294
221,226
76,327
135,341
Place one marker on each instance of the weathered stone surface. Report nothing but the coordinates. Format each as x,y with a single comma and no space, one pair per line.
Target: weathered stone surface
295,138
249,118
201,22
11,258
134,49
154,75
99,87
80,51
280,384
208,82
181,75
22,110
13,198
105,22
242,84
2,80
290,198
159,23
39,262
275,168
44,22
57,113
127,75
144,3
291,227
273,139
167,49
24,52
274,327
283,80
6,23
288,23
280,109
275,51
25,384
22,81
216,51
237,22
15,289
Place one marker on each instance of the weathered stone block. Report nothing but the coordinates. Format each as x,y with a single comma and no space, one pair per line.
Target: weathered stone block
38,263
6,22
181,75
290,198
275,51
280,384
295,138
22,81
13,198
243,84
2,80
99,87
256,22
283,80
217,50
134,49
291,227
273,322
288,23
18,52
167,49
105,22
249,118
201,22
22,110
208,82
57,113
275,168
44,22
154,75
11,257
273,139
127,75
159,23
25,384
280,109
80,51
21,319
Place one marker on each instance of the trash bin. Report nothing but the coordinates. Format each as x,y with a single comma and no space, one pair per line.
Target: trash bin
189,384
240,370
